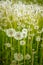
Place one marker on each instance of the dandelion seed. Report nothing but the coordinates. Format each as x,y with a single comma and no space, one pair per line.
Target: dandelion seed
10,32
18,35
38,38
33,51
36,27
18,56
24,33
22,42
27,57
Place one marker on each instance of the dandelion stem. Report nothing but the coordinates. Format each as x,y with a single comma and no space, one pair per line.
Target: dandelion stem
18,49
31,52
32,59
11,49
41,53
24,54
37,50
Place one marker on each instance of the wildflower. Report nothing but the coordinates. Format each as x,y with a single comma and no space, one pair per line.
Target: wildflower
24,33
18,35
7,44
22,42
10,32
36,27
27,57
38,38
24,30
33,51
18,56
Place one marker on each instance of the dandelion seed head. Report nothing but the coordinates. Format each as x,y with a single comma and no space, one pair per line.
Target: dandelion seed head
22,42
27,57
10,32
18,35
38,38
18,56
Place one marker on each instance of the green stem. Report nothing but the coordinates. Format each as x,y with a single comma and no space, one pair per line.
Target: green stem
41,54
6,52
31,51
24,54
18,46
33,59
18,50
11,49
37,50
37,46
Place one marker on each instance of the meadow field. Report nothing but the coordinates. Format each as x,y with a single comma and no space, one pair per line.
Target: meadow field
21,33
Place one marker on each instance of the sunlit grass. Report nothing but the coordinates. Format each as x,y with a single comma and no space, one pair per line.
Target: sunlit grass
21,33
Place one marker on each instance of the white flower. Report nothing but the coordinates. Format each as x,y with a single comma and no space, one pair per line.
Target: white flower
38,38
24,30
18,35
7,44
33,51
10,32
24,33
27,57
36,27
22,42
18,56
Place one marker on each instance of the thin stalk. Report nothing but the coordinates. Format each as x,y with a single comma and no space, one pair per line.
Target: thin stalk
41,57
41,53
2,41
33,59
11,49
18,46
24,53
37,49
18,50
31,51
6,53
